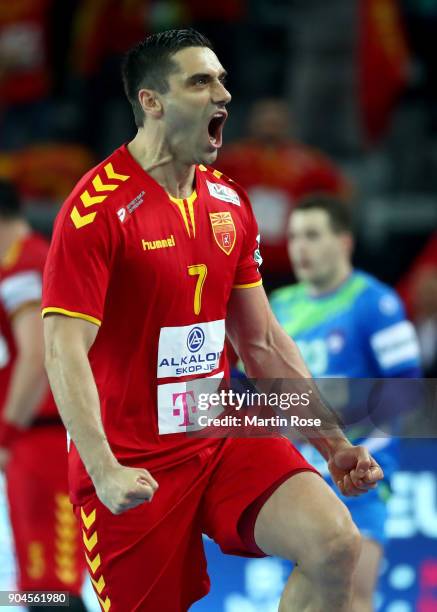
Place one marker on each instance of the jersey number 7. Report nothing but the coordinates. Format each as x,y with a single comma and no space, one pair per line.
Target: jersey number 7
199,270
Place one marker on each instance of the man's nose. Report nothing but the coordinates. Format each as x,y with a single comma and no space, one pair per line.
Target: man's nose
221,95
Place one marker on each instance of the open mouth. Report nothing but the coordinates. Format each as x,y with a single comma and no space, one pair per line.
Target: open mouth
215,129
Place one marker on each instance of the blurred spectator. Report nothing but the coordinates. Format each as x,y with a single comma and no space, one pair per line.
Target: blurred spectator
383,64
44,174
277,171
103,29
101,32
226,28
419,290
348,67
48,171
25,71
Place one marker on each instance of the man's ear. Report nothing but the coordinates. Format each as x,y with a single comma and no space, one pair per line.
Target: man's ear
348,242
150,103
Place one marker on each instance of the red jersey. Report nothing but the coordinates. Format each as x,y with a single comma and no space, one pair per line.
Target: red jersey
425,263
155,273
276,178
24,37
20,284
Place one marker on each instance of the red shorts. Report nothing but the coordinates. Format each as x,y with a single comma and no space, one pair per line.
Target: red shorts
151,558
46,534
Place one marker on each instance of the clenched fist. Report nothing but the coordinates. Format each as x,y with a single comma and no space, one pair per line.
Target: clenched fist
354,470
121,488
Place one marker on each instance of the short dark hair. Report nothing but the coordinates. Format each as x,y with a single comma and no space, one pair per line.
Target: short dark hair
338,211
149,63
10,204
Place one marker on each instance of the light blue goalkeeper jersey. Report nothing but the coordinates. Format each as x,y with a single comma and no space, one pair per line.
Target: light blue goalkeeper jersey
357,331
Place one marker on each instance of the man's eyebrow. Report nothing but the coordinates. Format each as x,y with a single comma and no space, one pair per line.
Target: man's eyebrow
200,75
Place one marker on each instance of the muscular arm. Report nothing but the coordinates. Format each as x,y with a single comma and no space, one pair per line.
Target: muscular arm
269,353
68,341
28,383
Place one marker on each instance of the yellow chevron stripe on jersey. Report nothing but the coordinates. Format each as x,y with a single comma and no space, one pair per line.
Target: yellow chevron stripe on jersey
65,562
105,604
67,576
66,532
81,220
88,519
36,564
65,516
94,564
89,542
98,585
111,174
63,501
67,547
100,186
89,200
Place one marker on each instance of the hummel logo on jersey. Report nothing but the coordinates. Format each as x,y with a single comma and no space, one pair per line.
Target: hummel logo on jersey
222,192
158,244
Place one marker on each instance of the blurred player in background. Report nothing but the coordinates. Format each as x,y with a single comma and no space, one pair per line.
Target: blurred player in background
277,171
32,438
347,325
152,253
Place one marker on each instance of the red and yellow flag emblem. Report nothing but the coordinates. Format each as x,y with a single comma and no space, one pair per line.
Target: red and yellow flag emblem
224,230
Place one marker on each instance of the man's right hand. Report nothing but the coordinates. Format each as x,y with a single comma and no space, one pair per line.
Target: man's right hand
121,488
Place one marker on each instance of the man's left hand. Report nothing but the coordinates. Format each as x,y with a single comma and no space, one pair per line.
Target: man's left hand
354,470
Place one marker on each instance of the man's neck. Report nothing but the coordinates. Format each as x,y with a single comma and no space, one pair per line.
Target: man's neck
10,232
332,283
150,152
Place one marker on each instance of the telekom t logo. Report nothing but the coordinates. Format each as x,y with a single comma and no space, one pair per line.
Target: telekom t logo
186,409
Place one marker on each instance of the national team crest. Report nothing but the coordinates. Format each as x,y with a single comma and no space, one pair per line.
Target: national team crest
224,231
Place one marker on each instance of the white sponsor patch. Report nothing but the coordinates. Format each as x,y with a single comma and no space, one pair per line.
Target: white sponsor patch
223,192
178,410
190,349
395,345
19,289
131,207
